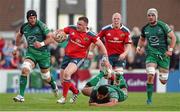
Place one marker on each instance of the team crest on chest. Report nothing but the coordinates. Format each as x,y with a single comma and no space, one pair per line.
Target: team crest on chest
122,35
86,39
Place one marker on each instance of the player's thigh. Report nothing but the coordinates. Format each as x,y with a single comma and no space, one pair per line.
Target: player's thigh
70,69
30,58
164,62
44,61
115,62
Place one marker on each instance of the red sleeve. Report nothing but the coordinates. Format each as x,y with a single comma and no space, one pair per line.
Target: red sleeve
94,39
101,33
66,30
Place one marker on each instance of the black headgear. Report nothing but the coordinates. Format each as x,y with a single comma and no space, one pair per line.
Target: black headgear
31,13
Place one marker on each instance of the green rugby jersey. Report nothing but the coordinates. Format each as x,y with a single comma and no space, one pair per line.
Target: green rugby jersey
35,33
156,37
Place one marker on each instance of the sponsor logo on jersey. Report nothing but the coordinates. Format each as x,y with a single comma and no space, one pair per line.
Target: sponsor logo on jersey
146,32
115,38
77,42
154,40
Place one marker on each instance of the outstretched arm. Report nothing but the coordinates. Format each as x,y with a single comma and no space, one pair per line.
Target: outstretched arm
49,39
112,102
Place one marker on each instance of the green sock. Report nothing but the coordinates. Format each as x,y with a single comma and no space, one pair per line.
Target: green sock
149,90
23,82
52,83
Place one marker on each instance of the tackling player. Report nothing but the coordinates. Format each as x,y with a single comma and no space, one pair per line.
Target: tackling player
107,95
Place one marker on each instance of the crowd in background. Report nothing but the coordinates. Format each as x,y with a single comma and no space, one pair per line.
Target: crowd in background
134,61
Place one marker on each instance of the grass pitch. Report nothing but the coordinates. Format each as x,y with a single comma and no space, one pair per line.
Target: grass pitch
135,102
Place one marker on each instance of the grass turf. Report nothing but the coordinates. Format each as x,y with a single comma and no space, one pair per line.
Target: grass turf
135,102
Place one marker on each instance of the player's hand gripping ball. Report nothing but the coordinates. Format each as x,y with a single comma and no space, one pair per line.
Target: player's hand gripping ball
60,36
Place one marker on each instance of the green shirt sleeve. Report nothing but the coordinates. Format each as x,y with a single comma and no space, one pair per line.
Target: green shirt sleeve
165,26
113,94
43,27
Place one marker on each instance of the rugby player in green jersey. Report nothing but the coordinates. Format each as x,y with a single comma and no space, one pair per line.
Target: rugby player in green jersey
107,95
158,52
38,37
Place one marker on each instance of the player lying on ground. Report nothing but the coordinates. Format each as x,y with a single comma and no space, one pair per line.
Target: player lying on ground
107,95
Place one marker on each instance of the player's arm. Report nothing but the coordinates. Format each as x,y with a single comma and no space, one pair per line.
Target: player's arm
49,39
172,36
19,38
126,51
112,102
91,51
18,41
141,43
102,50
101,47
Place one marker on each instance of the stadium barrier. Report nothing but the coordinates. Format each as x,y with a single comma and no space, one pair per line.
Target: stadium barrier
136,80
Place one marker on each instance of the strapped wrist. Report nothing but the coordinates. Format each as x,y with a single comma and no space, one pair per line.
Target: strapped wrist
90,53
42,43
170,49
104,58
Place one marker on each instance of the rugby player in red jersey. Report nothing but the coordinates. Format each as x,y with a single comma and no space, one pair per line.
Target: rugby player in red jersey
80,38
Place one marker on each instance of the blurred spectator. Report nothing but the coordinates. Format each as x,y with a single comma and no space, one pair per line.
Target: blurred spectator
2,43
135,35
7,54
15,61
175,58
135,60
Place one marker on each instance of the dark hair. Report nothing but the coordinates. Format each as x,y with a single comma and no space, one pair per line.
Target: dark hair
31,13
83,18
103,90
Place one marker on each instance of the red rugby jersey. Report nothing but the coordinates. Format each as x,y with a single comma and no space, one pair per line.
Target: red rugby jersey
115,39
79,42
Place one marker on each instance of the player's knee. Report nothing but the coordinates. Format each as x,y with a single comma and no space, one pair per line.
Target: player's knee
150,70
26,68
119,70
66,75
163,77
46,75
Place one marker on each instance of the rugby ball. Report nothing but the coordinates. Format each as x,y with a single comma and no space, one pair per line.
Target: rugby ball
60,36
